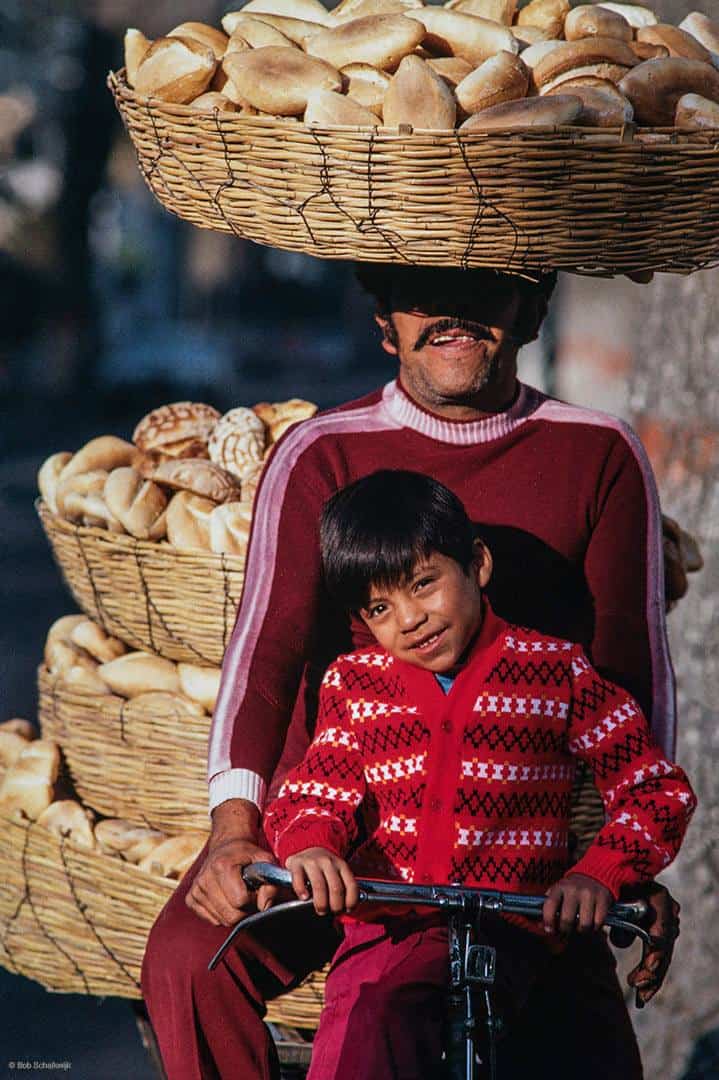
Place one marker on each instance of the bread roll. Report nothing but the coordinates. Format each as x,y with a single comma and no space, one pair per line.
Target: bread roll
532,112
501,78
238,443
452,69
530,35
59,656
456,34
200,684
18,726
188,521
326,108
548,15
635,14
84,679
257,34
136,46
696,113
137,672
655,86
12,745
379,40
230,528
212,100
204,478
602,105
310,10
644,51
116,836
367,86
171,423
677,41
165,704
591,19
105,452
278,80
705,30
298,31
62,628
28,785
348,10
48,476
590,73
209,36
94,640
278,416
418,96
575,54
175,69
97,513
501,11
174,853
72,491
137,503
70,821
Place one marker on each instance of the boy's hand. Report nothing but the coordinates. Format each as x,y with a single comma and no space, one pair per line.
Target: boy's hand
333,884
579,903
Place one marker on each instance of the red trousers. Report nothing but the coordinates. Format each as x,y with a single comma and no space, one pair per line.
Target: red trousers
383,1004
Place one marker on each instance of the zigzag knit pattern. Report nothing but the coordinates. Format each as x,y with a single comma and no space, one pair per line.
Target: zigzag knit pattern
475,787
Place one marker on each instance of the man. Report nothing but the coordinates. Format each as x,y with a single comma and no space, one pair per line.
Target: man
565,492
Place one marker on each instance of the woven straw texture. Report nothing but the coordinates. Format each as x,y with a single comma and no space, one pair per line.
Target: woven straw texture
127,761
179,604
596,201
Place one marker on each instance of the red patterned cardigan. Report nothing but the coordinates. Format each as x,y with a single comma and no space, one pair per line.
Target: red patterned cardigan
474,786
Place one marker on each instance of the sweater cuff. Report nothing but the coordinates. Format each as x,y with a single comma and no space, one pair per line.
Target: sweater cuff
607,867
306,833
237,784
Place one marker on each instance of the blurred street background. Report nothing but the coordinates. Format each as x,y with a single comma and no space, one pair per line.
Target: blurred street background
109,307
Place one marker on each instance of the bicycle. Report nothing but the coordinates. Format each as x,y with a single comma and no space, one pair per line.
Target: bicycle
472,967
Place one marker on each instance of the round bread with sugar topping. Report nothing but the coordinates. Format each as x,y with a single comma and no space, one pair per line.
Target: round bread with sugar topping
204,478
170,423
238,443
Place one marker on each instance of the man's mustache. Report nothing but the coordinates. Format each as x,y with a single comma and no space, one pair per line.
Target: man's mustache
476,329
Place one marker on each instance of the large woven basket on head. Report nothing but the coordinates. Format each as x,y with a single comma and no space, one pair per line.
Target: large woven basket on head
127,760
593,200
152,596
77,921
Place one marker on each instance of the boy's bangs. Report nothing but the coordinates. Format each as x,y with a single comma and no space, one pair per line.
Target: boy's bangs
384,568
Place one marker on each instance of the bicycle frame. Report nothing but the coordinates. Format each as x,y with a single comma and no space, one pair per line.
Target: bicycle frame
471,966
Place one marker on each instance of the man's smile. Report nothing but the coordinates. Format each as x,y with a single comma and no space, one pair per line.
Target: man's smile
453,333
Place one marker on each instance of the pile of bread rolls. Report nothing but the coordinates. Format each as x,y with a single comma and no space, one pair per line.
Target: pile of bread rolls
474,64
29,770
81,655
188,476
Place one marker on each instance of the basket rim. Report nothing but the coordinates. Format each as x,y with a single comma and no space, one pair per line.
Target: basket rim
676,138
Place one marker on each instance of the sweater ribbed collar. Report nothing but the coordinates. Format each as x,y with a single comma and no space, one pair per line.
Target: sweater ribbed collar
460,432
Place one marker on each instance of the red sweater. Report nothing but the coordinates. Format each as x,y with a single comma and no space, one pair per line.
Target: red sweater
474,787
565,499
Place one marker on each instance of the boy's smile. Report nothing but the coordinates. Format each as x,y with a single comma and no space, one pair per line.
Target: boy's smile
430,619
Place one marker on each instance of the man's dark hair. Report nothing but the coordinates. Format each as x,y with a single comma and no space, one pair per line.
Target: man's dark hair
387,282
375,530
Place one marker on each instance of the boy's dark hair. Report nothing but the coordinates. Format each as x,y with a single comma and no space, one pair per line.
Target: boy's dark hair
375,530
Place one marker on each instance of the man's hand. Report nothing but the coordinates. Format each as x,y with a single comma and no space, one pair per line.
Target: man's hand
218,894
663,925
579,903
333,884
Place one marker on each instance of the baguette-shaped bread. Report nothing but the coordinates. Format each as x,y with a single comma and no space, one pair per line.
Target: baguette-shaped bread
311,10
326,108
548,15
379,40
94,640
501,78
636,14
204,478
137,672
532,112
256,33
278,80
452,69
418,96
171,423
188,521
230,528
455,34
139,504
613,73
105,452
297,30
697,113
501,11
591,19
200,684
705,30
654,87
49,475
136,46
173,854
575,54
678,42
209,36
175,69
602,104
116,836
18,726
212,100
367,86
70,821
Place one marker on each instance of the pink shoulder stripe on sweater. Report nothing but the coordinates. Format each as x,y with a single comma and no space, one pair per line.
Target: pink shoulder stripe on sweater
664,709
260,568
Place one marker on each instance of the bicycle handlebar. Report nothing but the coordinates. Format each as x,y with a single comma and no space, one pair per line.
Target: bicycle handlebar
623,916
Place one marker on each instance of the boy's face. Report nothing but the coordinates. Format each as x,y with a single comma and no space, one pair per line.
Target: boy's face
430,619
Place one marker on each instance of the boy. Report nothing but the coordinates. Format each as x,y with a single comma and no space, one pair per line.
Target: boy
453,740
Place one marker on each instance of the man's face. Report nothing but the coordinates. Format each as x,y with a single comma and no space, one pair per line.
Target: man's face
453,345
430,619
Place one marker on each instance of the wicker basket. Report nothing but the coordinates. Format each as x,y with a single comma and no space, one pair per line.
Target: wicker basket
179,604
126,761
596,201
77,921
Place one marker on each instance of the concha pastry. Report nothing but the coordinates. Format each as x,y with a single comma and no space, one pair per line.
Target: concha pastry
238,443
171,423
